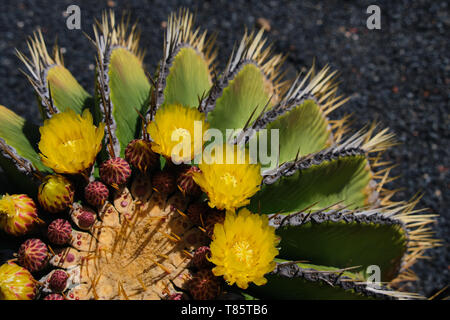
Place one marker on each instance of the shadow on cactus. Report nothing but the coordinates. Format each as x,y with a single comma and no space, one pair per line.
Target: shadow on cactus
105,212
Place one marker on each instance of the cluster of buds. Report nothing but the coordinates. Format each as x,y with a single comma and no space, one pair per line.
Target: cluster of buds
56,193
205,285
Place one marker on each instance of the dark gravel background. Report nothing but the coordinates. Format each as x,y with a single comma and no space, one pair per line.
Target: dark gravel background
399,75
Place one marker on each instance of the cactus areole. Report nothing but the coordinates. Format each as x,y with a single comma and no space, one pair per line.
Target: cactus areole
131,204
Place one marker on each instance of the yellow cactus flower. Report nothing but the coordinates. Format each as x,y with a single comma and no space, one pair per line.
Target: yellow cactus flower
228,185
243,248
55,193
16,283
18,214
70,142
177,132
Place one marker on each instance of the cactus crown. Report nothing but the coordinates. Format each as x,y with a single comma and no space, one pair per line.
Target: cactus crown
324,200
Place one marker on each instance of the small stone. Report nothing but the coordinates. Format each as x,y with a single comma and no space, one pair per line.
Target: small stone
442,169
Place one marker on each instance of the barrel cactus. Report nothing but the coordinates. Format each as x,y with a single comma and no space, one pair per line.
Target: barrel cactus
123,216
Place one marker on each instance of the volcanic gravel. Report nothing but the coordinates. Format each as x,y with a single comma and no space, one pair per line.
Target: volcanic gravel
399,75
